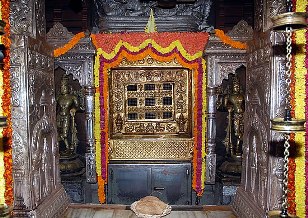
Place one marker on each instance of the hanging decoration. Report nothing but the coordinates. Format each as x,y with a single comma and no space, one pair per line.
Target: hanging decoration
292,163
6,150
68,46
2,179
187,49
300,106
227,40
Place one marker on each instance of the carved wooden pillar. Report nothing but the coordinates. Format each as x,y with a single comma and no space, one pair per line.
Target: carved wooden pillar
37,188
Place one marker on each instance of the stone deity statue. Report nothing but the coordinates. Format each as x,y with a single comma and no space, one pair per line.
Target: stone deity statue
67,105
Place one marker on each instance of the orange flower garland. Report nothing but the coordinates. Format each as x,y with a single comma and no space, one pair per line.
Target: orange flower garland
292,164
62,50
227,40
113,48
6,105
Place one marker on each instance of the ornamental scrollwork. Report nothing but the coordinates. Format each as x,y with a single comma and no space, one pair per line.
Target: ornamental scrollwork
150,101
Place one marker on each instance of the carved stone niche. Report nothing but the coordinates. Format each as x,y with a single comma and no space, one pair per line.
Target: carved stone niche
221,60
79,62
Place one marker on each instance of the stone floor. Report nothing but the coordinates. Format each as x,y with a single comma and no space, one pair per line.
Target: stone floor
121,211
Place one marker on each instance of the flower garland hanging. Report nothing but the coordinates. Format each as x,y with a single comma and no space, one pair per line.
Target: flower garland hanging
292,163
2,179
65,48
126,47
300,73
6,105
227,40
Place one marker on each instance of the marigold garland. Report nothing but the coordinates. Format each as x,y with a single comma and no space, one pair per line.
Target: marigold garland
227,40
6,106
297,173
62,50
191,45
132,52
304,197
2,179
300,104
292,163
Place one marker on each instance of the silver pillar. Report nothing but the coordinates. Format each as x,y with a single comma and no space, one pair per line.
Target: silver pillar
211,135
90,152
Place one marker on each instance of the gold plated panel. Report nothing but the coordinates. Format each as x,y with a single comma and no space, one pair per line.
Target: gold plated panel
150,149
149,62
150,110
150,101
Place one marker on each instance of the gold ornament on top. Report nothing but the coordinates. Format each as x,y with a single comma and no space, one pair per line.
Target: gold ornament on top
151,25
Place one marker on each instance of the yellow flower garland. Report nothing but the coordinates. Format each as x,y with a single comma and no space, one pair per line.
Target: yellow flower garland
175,44
300,72
164,50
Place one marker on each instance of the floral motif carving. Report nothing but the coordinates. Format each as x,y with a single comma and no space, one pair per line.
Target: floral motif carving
28,16
241,31
156,85
59,33
149,150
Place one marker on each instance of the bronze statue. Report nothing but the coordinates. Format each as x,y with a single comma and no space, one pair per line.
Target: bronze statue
67,105
236,100
231,100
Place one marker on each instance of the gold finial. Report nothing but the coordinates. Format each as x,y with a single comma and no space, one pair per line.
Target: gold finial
151,25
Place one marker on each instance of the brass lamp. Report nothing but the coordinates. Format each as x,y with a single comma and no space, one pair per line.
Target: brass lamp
288,22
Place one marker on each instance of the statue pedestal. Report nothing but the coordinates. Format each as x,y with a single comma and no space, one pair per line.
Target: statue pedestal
229,175
71,165
72,171
231,167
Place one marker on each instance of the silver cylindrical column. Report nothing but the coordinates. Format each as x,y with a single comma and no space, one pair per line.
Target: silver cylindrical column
90,152
211,135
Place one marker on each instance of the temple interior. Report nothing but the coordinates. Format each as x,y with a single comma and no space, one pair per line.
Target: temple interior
141,108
